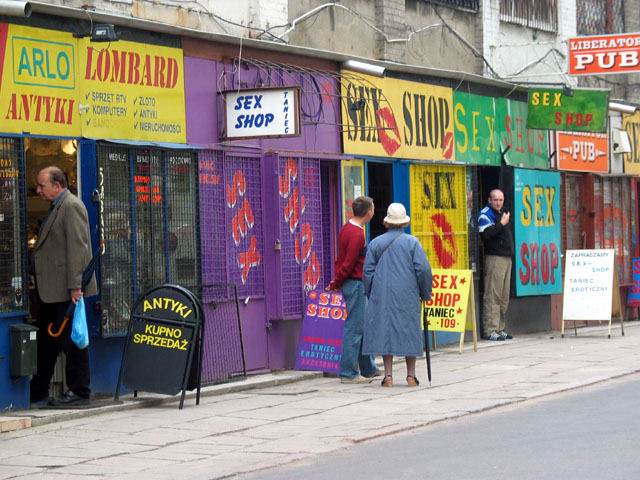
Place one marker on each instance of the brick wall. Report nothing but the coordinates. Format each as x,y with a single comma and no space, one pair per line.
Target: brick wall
390,18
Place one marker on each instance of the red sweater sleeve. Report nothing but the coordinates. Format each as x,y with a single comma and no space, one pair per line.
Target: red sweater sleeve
351,243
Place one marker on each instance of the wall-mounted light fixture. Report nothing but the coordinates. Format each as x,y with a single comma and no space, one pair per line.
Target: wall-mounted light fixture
622,108
102,32
362,67
15,8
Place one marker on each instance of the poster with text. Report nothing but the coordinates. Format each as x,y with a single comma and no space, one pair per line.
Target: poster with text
447,309
476,137
523,147
633,297
320,344
536,220
588,284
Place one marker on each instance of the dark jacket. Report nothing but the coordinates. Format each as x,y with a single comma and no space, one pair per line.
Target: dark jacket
497,239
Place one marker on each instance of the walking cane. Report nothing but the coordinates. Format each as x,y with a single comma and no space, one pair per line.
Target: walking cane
425,324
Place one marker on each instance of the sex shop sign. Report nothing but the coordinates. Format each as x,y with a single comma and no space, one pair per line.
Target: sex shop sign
320,343
536,221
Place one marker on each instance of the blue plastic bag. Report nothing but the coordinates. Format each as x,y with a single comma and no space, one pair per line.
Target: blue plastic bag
79,331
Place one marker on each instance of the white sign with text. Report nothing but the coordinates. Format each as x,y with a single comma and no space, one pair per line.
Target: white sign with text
588,284
264,112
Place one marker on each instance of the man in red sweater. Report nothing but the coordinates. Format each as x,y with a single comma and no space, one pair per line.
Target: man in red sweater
348,277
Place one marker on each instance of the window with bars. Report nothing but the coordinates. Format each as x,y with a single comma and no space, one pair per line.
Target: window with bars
599,17
537,14
465,4
149,219
613,225
13,277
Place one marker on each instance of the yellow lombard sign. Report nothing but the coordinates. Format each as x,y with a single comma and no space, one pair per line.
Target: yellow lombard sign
56,85
397,118
132,91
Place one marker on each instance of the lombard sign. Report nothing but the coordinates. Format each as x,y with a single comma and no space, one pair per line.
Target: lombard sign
264,112
582,111
604,54
583,152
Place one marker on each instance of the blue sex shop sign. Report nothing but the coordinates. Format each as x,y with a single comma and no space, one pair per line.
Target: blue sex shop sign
537,231
261,113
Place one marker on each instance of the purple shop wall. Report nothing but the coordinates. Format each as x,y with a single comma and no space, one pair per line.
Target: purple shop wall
320,109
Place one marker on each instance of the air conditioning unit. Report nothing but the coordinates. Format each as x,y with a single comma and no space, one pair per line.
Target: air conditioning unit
621,143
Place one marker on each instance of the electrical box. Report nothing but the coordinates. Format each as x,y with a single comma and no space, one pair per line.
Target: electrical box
23,340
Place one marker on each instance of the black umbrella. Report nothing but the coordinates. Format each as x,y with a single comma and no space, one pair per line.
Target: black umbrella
425,322
86,278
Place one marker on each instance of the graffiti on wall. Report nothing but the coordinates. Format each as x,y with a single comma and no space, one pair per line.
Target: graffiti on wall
241,224
302,232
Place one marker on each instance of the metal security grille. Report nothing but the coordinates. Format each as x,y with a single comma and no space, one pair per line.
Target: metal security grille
439,213
213,218
538,14
116,264
575,238
13,276
599,17
223,350
326,195
614,209
149,219
301,231
244,230
465,4
184,228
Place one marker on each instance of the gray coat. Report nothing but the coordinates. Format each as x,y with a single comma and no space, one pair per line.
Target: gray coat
63,250
395,281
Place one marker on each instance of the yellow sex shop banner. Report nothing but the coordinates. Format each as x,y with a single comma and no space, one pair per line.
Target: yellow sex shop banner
439,213
395,118
449,304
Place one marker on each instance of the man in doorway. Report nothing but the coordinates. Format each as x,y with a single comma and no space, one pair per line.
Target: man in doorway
60,255
495,232
354,367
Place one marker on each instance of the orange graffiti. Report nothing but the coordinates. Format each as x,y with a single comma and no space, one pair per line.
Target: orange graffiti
312,273
290,174
249,259
304,242
242,222
238,188
294,209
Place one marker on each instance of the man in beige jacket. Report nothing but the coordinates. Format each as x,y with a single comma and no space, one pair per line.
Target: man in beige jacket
60,255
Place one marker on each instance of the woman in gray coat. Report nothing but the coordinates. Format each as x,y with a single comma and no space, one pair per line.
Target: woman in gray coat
396,276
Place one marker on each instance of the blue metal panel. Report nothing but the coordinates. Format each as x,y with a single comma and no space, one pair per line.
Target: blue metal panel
14,392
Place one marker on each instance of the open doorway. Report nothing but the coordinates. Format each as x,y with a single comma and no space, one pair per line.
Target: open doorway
380,188
41,153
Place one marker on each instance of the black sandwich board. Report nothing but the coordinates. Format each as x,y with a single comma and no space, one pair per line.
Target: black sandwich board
163,349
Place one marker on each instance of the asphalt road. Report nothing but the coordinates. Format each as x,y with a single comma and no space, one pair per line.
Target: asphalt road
589,433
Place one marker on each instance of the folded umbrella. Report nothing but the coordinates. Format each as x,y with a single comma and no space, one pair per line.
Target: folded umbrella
86,278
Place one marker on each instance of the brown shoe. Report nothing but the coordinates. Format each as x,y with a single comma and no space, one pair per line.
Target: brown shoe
387,381
412,381
359,379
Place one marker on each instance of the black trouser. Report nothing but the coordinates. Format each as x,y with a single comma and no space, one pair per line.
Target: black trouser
77,369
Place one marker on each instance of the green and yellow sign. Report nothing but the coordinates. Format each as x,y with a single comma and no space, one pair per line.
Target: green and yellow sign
578,111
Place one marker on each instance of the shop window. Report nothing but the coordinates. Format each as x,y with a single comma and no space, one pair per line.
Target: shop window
149,221
537,14
439,213
599,17
613,225
13,276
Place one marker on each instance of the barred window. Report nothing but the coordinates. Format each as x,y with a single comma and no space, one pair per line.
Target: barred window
600,17
538,14
464,4
13,278
149,219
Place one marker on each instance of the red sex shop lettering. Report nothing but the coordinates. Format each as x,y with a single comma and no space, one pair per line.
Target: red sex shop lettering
447,308
293,211
320,344
241,223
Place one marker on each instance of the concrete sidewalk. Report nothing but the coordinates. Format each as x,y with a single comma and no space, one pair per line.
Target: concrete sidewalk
273,419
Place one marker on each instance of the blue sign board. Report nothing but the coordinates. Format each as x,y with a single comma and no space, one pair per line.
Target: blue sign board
537,230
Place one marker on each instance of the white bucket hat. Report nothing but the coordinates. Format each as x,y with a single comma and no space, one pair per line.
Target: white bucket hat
396,214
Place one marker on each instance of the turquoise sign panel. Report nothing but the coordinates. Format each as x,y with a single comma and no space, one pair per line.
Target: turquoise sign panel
476,138
537,230
523,147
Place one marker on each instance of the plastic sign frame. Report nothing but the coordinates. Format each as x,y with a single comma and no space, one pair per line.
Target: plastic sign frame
262,113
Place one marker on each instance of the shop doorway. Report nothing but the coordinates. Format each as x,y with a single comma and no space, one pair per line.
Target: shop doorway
380,188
